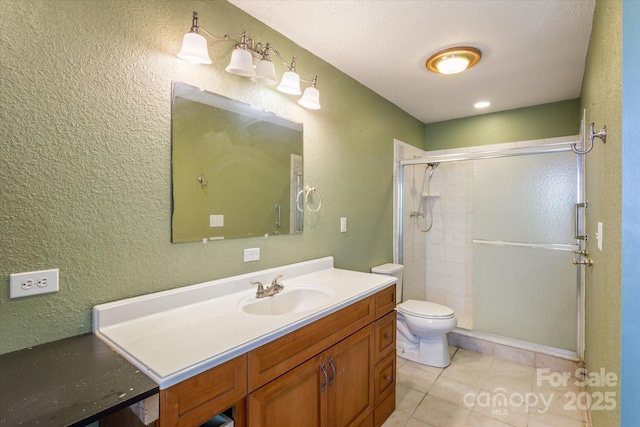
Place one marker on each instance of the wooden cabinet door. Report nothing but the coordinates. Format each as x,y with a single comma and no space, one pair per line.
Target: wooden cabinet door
351,385
297,398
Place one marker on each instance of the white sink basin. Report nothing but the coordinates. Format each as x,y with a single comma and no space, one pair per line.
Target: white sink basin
293,300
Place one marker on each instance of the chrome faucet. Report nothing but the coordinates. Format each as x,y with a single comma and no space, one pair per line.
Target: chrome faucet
275,288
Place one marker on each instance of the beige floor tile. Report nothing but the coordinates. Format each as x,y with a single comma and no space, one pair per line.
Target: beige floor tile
513,415
432,369
565,404
469,368
477,420
438,413
510,376
481,390
554,381
407,400
504,367
395,420
416,423
415,376
452,391
549,419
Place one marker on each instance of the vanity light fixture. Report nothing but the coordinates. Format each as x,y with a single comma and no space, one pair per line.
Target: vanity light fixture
453,60
250,59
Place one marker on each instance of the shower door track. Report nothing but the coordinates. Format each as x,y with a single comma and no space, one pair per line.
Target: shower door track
581,221
491,154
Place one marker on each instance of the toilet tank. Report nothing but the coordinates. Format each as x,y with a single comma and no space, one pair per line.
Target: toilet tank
394,270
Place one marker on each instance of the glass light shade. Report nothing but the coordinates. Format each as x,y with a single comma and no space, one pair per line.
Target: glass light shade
265,73
241,63
194,49
310,98
290,83
452,65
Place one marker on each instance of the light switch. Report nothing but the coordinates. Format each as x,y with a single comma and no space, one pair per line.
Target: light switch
343,225
599,236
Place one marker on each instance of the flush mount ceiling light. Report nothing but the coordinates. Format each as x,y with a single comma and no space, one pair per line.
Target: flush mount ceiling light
482,104
453,60
250,59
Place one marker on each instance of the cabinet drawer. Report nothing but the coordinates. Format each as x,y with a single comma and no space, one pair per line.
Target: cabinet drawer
385,378
385,409
277,357
385,301
197,399
385,335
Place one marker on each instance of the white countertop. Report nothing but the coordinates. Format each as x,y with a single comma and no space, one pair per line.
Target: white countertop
176,334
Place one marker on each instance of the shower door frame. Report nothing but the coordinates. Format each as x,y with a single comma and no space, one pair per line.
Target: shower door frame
580,219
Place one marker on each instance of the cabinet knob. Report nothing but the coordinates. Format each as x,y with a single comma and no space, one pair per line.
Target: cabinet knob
388,336
388,378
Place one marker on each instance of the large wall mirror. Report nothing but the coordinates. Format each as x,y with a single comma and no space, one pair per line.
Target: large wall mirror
237,170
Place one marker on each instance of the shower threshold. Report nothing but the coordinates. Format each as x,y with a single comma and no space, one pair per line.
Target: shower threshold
485,342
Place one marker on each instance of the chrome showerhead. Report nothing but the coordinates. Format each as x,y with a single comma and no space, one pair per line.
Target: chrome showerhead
433,166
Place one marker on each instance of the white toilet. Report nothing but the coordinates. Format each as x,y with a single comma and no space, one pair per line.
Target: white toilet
422,326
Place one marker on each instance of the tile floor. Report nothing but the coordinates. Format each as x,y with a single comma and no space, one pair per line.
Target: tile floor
482,391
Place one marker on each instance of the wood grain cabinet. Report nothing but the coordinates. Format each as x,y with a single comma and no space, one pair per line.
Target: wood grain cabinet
335,372
196,400
334,388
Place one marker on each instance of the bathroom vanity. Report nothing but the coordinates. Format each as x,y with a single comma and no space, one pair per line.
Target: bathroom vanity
321,352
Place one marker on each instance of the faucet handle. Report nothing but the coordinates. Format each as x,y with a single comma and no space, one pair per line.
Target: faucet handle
275,280
260,291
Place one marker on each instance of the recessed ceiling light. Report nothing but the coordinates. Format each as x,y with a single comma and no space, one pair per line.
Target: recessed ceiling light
453,60
482,104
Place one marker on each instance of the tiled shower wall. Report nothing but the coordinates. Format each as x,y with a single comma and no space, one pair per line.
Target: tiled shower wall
449,268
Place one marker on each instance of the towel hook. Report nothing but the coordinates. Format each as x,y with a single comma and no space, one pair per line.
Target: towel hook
602,134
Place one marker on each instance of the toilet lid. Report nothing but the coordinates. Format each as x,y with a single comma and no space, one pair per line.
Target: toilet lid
424,309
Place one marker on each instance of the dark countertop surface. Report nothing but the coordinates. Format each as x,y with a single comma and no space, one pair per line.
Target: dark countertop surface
71,382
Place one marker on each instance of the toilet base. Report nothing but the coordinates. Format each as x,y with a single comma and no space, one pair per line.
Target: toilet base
431,351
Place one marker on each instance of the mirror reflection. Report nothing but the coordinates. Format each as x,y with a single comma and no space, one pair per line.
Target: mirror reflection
236,170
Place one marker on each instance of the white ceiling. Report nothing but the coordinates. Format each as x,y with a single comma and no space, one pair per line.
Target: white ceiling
533,51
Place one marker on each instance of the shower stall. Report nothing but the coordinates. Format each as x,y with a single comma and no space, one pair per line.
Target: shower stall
498,235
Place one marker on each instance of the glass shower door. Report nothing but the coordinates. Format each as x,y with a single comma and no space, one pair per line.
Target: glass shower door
525,285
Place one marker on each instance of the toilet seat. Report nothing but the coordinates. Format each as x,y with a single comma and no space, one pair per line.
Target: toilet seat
425,309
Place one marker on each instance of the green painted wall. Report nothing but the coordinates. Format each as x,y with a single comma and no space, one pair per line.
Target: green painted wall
522,124
602,98
85,119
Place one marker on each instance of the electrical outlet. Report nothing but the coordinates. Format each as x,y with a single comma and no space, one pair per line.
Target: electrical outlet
252,254
216,220
33,283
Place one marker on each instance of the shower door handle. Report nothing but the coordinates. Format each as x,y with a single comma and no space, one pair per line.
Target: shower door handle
277,208
579,236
